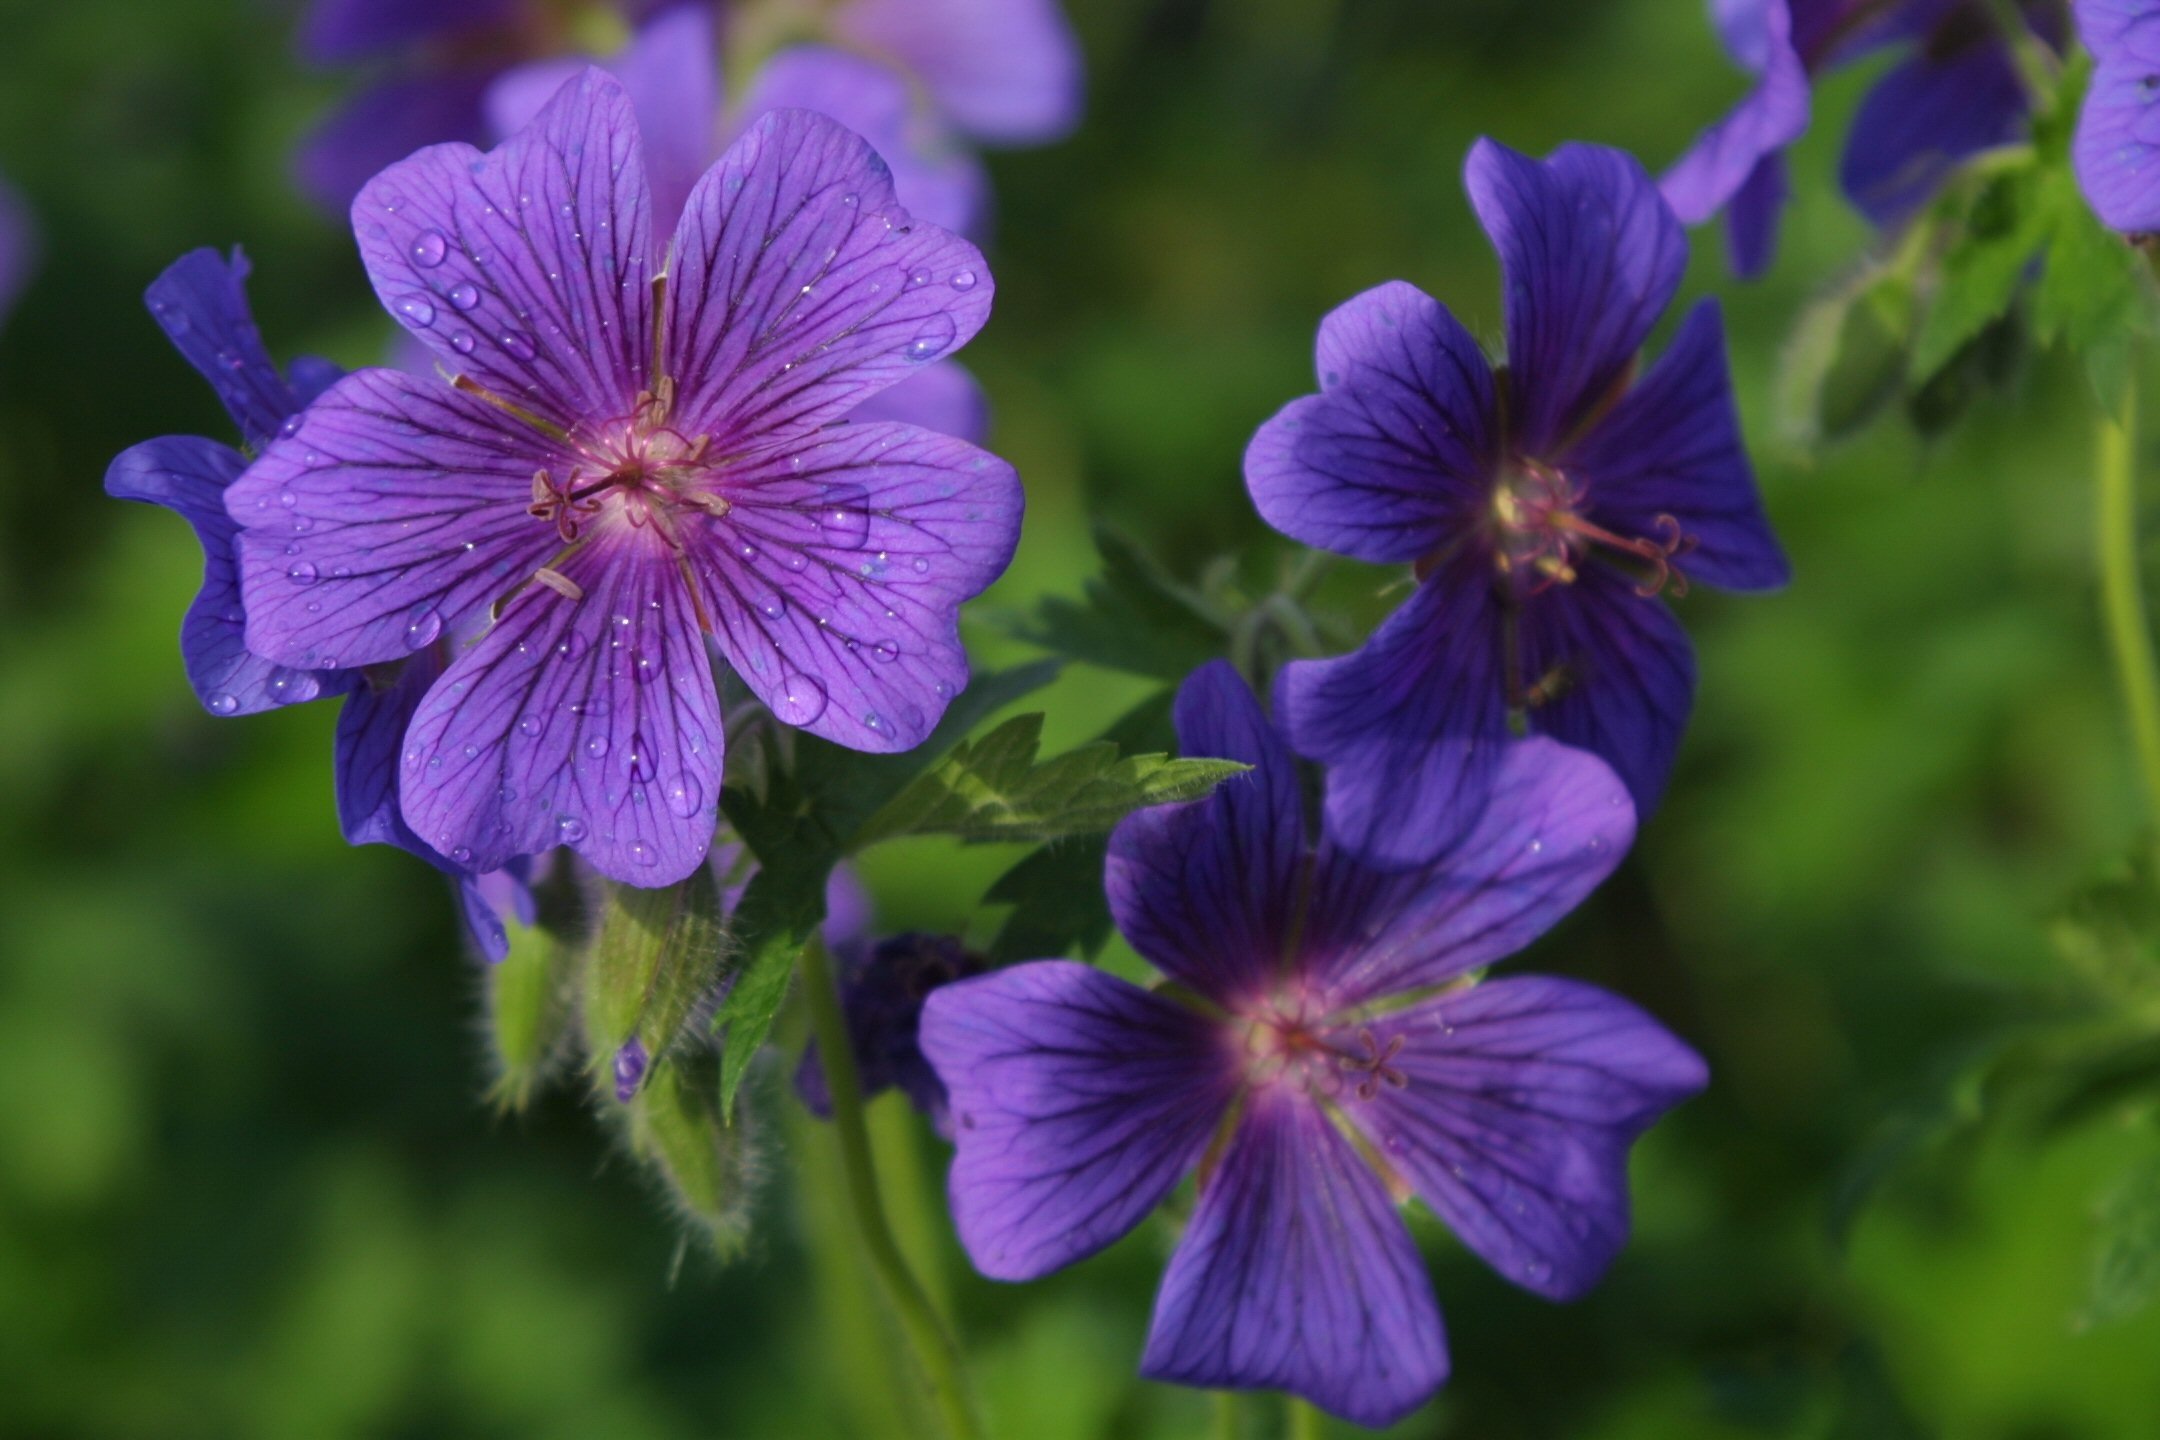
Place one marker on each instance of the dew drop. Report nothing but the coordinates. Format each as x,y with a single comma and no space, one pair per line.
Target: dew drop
916,280
294,687
417,309
519,344
596,746
460,855
963,280
886,651
303,572
569,829
292,424
639,759
287,499
844,517
933,339
920,566
428,249
530,725
685,797
773,606
464,296
222,704
801,700
462,342
421,631
644,854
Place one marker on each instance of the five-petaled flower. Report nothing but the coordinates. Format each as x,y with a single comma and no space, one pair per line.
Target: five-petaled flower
1955,92
1543,508
635,456
1319,1054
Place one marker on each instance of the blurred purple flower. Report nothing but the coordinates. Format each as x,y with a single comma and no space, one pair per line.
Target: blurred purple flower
1322,1051
201,304
627,464
1005,72
18,247
2118,133
1954,92
882,989
1543,509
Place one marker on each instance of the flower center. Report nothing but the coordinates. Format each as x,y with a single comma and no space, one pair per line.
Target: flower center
1286,1043
638,466
1539,535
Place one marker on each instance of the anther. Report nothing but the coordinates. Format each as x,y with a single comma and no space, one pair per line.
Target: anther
1375,1064
560,583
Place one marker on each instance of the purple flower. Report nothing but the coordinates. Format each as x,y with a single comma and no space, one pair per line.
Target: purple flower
2118,131
631,462
1954,93
18,247
1006,72
1322,1050
882,989
201,303
1543,509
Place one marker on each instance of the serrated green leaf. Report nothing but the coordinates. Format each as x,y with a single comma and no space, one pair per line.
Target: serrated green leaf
1132,617
781,908
1058,903
1845,359
993,789
2004,229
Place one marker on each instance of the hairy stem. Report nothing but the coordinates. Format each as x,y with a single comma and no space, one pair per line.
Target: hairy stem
935,1351
2122,591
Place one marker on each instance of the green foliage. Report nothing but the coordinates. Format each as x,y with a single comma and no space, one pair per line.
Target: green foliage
2109,933
679,1127
1057,897
995,789
1133,616
656,954
529,1011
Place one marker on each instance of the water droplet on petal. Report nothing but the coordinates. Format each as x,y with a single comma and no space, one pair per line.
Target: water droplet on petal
428,249
222,704
303,572
421,631
519,344
916,280
460,855
638,760
844,518
933,339
529,725
644,854
963,280
596,746
294,687
463,342
773,606
418,310
686,797
801,700
886,651
292,424
569,829
464,296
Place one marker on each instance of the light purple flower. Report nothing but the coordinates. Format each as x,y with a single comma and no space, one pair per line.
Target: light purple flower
2118,133
1542,513
1954,92
1006,72
18,247
201,304
1324,1051
626,465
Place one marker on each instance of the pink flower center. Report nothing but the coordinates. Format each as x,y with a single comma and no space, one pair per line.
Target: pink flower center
1539,535
637,466
1287,1043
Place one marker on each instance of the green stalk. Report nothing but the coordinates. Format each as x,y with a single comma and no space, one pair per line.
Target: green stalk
1302,1421
2122,591
933,1345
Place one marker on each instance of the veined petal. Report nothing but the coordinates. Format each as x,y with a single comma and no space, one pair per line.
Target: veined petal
1590,255
1553,825
1672,447
383,124
1924,117
1297,1274
799,287
935,179
1522,1099
1772,116
1005,71
1078,1102
1751,219
200,304
398,507
1618,672
188,476
1400,444
2117,147
591,722
834,583
527,269
943,397
1206,890
370,739
1411,723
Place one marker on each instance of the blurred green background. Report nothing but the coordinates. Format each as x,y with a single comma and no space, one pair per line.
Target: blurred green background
249,1185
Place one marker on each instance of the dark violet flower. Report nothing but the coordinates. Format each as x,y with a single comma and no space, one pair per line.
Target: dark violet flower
1005,72
1953,92
882,989
201,303
18,247
1543,508
628,464
2118,133
1323,1050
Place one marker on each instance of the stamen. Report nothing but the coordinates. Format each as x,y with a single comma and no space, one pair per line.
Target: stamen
560,583
1375,1064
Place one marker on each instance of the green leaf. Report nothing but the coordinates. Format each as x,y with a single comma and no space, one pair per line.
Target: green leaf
993,789
1134,617
656,955
1845,358
2109,934
781,908
2005,227
1058,903
2126,1250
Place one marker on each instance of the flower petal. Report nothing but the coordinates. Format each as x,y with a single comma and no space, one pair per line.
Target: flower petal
336,31
1672,447
799,287
1554,824
2117,147
589,722
1924,117
834,584
383,124
1591,255
527,269
1398,446
1078,1103
1297,1274
188,476
1620,672
1005,71
1523,1097
943,397
199,303
935,179
397,508
1773,115
1205,890
1751,220
370,737
1409,725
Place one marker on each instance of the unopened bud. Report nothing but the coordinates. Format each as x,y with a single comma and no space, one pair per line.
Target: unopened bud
708,1165
656,956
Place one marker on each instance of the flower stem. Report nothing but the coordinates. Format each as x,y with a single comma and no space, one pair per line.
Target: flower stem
935,1350
2122,592
1302,1421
